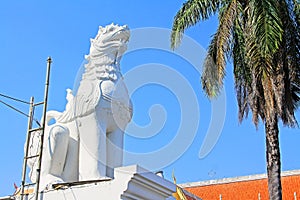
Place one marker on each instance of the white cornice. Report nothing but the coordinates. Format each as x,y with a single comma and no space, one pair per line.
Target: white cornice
131,182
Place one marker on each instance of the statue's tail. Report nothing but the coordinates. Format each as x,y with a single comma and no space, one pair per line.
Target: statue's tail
52,115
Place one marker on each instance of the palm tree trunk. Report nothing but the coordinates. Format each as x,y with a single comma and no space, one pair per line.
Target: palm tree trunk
273,159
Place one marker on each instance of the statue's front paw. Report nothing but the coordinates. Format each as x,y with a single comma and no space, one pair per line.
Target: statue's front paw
50,180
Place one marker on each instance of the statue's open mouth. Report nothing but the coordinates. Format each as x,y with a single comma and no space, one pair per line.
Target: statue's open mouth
121,35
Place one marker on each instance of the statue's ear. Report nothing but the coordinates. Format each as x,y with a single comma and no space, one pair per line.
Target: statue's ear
91,40
100,30
69,90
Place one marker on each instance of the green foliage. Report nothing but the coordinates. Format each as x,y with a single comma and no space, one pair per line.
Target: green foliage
263,39
218,49
191,12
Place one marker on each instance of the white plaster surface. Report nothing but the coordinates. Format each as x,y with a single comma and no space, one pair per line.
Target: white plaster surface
130,183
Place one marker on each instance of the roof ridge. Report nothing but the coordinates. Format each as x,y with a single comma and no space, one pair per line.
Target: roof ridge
236,179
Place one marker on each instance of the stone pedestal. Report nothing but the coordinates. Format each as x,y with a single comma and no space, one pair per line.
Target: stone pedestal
129,183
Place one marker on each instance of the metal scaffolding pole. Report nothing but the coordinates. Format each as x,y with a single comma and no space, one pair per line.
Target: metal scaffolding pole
30,131
29,126
49,61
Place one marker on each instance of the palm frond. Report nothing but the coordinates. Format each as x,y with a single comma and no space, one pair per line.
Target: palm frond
219,47
274,74
267,27
242,73
256,67
287,61
210,76
296,10
189,14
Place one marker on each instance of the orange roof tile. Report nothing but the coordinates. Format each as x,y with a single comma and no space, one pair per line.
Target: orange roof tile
244,188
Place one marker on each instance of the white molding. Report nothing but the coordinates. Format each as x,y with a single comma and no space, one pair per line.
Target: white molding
129,183
144,184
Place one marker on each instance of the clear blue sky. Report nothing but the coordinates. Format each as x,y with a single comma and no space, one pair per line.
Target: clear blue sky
167,84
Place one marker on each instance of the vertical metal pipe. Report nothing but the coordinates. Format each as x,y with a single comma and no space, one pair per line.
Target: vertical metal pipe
49,61
259,196
295,196
29,126
220,196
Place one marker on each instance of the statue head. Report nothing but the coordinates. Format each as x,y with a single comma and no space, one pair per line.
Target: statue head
110,39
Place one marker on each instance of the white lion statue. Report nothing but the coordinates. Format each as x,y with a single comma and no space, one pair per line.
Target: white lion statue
86,140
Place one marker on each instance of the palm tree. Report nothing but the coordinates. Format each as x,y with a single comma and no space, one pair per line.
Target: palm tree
263,39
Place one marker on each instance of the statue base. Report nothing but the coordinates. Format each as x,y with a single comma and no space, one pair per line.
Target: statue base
131,182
